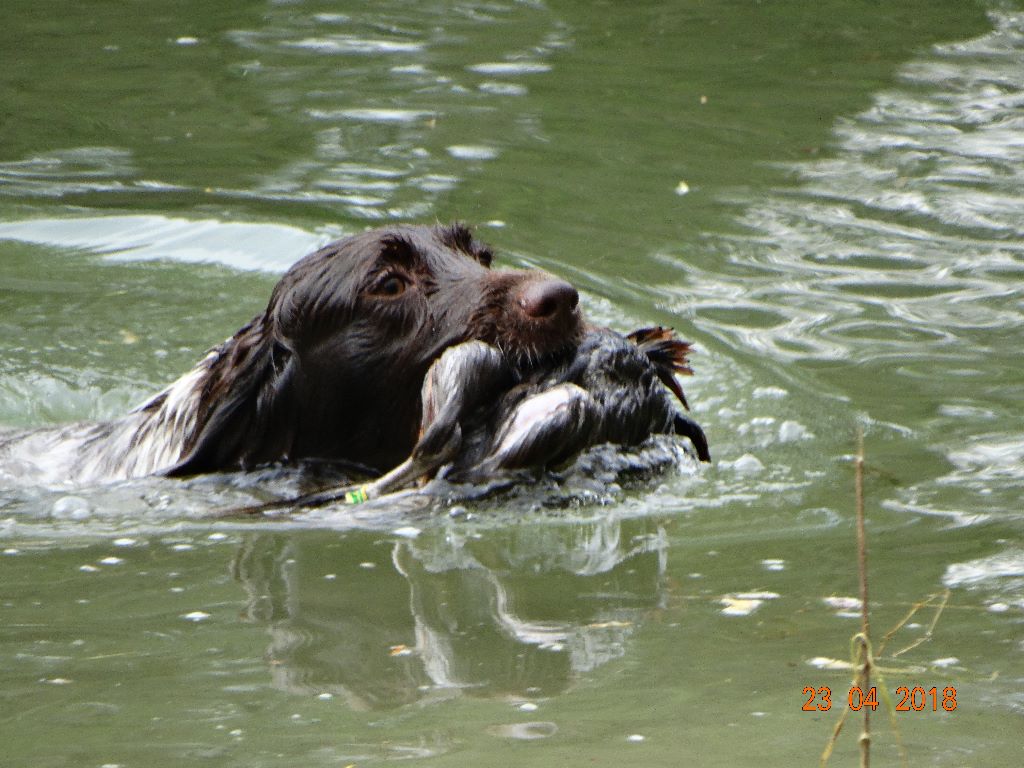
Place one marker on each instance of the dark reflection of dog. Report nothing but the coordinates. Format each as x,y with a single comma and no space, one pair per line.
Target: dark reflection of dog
522,611
331,370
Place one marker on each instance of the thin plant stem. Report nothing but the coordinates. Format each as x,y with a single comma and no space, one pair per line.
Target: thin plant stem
865,625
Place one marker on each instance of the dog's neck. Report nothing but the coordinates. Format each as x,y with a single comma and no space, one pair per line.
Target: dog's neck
224,410
250,402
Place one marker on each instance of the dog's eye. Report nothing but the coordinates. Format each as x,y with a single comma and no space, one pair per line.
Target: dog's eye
390,285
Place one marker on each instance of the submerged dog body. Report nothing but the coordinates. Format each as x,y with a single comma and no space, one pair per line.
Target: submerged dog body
331,370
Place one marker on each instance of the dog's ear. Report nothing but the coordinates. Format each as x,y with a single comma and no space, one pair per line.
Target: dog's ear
238,410
247,408
459,237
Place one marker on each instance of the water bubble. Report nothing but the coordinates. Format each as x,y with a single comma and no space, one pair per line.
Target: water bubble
71,508
748,464
791,431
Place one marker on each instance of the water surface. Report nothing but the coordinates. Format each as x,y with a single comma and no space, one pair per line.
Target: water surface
826,199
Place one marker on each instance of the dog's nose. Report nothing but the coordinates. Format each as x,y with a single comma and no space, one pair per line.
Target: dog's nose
546,298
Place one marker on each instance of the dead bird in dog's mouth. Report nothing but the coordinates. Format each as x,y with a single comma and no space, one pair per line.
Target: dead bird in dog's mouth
486,426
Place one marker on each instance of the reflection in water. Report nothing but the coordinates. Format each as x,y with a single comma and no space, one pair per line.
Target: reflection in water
68,171
999,576
521,610
376,160
384,96
143,237
899,244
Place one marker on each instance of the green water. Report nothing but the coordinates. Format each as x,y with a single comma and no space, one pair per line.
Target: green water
825,197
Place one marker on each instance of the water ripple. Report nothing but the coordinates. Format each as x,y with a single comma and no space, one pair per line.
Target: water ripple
899,252
268,247
907,238
347,44
394,91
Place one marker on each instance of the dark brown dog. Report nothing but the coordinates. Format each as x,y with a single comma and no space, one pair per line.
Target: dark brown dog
332,369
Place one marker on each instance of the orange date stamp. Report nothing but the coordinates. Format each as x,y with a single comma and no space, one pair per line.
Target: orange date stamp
907,699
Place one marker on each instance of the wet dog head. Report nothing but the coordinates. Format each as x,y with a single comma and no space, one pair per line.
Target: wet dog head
333,368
